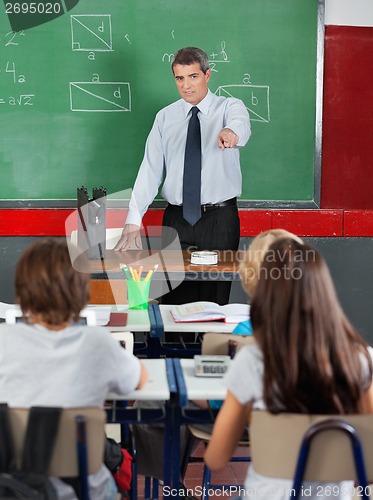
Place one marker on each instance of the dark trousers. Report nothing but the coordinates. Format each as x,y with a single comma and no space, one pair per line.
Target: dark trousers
218,229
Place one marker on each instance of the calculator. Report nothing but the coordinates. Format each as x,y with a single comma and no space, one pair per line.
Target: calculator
210,365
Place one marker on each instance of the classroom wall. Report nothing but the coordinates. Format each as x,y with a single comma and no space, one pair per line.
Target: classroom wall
349,12
343,228
347,151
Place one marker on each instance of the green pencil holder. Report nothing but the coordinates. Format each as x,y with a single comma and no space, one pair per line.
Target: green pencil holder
138,294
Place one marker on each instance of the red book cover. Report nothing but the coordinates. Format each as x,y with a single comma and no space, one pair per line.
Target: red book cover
117,319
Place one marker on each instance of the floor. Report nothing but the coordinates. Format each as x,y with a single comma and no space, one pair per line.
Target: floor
232,475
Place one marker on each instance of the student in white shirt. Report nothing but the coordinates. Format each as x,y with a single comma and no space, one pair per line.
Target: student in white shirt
51,360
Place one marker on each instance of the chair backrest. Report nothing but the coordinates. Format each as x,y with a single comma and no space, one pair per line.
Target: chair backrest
126,337
276,441
64,461
112,236
217,343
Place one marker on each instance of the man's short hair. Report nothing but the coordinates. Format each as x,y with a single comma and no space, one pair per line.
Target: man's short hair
191,55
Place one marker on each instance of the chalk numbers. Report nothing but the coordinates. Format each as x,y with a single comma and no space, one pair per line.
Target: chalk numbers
33,8
13,37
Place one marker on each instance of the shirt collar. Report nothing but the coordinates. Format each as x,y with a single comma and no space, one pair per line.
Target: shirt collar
203,106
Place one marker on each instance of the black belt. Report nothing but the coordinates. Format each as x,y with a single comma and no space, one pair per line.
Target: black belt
212,206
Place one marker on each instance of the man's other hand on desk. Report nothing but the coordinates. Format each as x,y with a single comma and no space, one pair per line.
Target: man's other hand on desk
130,234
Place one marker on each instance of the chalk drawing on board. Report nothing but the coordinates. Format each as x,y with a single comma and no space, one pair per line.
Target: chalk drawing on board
218,57
104,97
91,32
255,98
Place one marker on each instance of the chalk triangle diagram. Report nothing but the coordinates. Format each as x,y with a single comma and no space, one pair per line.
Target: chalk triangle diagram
91,96
91,32
241,92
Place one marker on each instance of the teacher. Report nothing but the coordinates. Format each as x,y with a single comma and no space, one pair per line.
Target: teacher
193,147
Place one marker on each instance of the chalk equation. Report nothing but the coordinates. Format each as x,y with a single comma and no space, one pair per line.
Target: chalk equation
18,101
9,69
13,37
214,57
104,97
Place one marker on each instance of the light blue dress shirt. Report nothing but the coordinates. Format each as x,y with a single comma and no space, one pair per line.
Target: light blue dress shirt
221,177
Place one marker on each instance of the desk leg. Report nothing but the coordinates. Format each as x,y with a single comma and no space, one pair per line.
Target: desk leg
172,450
169,463
176,450
154,347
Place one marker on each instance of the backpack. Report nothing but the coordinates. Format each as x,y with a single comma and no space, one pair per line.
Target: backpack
31,481
119,461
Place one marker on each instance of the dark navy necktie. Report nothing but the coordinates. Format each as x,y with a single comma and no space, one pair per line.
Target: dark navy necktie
192,171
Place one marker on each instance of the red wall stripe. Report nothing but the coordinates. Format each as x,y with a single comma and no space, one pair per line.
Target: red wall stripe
253,222
310,222
358,223
58,222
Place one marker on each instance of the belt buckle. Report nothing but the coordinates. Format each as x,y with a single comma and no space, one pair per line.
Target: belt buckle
206,206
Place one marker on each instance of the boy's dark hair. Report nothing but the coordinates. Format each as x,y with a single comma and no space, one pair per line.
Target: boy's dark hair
48,285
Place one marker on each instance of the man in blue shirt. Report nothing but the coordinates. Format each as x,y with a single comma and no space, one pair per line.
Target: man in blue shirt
225,127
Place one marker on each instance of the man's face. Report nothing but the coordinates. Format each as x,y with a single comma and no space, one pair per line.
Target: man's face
191,82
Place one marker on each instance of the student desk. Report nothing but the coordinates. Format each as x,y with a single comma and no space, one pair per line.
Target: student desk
192,388
140,321
157,320
173,265
171,381
160,387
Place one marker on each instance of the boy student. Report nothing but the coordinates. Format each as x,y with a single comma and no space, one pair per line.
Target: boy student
52,360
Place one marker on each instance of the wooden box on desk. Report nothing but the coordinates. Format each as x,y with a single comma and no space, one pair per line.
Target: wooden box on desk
108,291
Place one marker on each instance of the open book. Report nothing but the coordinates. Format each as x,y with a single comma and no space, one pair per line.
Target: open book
210,311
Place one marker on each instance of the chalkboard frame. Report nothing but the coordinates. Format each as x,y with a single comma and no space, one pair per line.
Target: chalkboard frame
243,203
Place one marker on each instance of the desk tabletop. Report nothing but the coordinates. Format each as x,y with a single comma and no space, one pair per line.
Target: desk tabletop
157,388
170,263
201,387
170,325
138,321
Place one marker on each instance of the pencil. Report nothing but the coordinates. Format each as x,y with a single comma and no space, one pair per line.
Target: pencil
132,274
149,275
126,271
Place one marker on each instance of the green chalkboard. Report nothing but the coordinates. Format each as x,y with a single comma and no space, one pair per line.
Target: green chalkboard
79,90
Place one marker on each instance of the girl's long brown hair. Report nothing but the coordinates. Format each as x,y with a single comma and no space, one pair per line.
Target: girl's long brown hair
314,360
